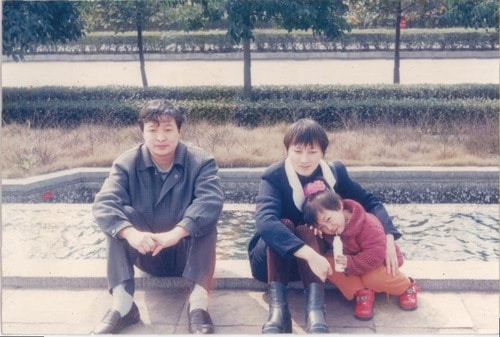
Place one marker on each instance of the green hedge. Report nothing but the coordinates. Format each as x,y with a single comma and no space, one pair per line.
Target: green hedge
70,113
332,106
217,41
274,92
335,114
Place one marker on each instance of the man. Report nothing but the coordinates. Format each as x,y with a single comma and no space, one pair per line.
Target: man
159,209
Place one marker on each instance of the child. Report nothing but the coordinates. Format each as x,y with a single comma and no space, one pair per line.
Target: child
364,247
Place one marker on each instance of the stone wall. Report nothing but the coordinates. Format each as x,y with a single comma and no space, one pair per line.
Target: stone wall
391,185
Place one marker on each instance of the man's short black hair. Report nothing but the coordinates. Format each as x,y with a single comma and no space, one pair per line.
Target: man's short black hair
153,110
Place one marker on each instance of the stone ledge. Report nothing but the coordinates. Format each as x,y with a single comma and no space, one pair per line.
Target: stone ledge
90,174
391,184
237,56
234,274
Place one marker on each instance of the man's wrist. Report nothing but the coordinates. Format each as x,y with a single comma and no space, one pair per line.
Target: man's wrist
181,232
124,232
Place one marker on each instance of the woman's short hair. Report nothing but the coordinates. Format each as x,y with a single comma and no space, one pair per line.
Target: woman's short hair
155,109
308,132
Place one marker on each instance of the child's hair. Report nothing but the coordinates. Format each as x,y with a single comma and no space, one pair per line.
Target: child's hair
306,131
155,109
318,201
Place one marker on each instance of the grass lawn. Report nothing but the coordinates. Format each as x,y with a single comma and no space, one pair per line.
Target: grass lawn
28,151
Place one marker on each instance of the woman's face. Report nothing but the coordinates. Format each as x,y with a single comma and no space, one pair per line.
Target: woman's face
331,222
305,158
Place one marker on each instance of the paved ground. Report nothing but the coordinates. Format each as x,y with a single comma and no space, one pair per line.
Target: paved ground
163,311
264,72
52,297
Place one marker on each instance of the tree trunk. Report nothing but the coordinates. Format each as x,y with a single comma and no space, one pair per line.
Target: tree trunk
247,75
397,43
141,49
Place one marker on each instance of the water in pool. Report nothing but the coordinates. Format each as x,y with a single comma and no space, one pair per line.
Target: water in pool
444,232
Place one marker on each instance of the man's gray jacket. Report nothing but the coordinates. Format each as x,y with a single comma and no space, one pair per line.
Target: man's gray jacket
190,197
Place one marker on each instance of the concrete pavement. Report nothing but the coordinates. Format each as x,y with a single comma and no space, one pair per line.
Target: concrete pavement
163,311
67,297
264,72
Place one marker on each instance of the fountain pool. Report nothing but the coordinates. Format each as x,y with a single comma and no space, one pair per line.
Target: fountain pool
444,232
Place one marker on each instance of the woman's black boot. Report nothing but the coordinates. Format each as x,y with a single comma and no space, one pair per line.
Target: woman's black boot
315,309
280,319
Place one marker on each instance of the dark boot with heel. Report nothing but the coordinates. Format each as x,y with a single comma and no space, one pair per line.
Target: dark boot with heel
280,319
315,309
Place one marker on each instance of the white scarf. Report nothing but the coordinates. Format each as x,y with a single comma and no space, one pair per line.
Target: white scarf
297,189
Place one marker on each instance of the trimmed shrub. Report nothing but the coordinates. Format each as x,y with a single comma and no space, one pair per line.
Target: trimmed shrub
333,106
274,40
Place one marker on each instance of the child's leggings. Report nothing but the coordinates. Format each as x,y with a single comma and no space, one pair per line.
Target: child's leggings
377,280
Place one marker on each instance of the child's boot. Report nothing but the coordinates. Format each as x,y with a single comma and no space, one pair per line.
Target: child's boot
364,304
408,300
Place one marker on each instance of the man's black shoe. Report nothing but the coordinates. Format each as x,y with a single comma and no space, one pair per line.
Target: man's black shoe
112,322
200,322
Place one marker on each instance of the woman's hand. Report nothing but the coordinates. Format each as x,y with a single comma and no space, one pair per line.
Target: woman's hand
316,231
391,259
318,263
320,267
143,242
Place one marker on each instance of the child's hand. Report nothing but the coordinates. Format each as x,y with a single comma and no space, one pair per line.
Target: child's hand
341,260
316,231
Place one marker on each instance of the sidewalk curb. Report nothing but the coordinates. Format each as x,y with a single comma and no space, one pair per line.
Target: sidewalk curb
235,274
238,56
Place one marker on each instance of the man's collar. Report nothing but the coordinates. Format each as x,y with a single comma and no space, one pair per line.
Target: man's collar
147,161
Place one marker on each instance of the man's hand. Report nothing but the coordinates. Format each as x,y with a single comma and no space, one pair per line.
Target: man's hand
143,242
168,239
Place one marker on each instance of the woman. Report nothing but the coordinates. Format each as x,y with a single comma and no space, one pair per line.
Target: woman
279,252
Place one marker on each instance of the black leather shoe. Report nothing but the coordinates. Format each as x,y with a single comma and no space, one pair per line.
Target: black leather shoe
200,322
112,322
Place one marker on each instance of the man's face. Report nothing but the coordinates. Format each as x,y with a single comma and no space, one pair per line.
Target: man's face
305,158
161,139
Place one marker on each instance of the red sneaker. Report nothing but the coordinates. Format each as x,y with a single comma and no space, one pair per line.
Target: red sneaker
364,304
408,300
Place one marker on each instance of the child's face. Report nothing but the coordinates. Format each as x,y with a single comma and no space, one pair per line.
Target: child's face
305,158
331,222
